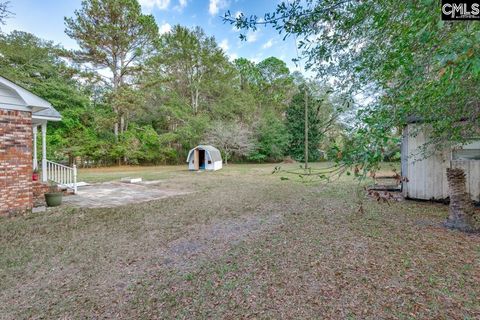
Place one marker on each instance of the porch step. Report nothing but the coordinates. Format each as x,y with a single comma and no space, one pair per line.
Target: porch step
71,186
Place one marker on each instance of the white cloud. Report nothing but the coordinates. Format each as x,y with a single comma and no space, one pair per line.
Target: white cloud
216,5
165,28
238,14
182,3
268,44
252,36
224,45
150,4
257,58
233,56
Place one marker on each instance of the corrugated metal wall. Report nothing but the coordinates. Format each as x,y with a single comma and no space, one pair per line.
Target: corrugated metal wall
427,178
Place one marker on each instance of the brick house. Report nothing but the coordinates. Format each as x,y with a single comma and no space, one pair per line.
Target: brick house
22,115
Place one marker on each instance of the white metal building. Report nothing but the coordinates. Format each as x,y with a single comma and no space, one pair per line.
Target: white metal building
426,177
204,157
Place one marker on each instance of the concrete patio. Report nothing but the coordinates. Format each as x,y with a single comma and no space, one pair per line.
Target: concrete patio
114,194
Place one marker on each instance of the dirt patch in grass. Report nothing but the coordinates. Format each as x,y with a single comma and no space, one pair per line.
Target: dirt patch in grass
211,241
244,245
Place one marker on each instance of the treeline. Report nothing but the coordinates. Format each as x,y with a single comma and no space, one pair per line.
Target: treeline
132,96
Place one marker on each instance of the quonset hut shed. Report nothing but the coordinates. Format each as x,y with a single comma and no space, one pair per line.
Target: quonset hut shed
204,157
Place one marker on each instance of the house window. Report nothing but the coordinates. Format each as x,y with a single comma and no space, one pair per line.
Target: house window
467,152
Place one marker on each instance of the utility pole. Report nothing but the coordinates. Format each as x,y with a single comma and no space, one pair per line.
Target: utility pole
306,128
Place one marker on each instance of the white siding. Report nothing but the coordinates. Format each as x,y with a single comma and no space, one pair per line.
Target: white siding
9,99
472,170
427,178
217,165
191,166
208,166
24,97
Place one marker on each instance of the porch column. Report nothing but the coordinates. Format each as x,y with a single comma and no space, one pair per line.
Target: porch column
35,159
44,151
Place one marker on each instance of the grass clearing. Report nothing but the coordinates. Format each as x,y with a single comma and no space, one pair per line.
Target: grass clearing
244,244
96,175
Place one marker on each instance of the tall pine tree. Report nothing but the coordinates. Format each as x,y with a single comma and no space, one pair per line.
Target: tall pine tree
114,35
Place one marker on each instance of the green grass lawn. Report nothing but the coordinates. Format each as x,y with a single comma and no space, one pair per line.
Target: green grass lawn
96,175
242,244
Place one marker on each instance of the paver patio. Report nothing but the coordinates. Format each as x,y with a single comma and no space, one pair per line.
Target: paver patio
114,194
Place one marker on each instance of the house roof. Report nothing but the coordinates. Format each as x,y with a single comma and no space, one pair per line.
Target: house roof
214,153
48,114
15,97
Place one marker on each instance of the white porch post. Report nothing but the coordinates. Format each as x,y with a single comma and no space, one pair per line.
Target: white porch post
74,179
44,151
35,159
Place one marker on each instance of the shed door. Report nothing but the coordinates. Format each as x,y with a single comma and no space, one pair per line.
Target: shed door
201,156
196,159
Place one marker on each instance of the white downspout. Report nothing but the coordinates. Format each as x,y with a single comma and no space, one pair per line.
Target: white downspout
35,159
44,151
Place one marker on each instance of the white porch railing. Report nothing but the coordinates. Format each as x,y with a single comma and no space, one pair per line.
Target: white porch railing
63,175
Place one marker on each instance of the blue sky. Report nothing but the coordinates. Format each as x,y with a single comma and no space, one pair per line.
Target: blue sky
45,19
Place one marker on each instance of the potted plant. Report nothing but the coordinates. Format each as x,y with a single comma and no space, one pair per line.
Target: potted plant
54,196
35,174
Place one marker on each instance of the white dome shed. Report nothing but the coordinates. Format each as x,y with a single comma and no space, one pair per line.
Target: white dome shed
204,157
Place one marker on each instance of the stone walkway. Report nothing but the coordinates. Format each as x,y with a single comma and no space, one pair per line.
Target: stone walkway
114,194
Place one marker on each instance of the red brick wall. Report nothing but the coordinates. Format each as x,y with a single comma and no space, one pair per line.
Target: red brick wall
15,162
39,189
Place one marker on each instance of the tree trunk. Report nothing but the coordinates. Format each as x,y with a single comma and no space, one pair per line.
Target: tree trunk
116,82
115,130
195,96
122,123
461,209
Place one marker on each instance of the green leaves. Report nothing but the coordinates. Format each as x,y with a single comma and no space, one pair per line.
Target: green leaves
113,35
320,119
399,56
272,139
